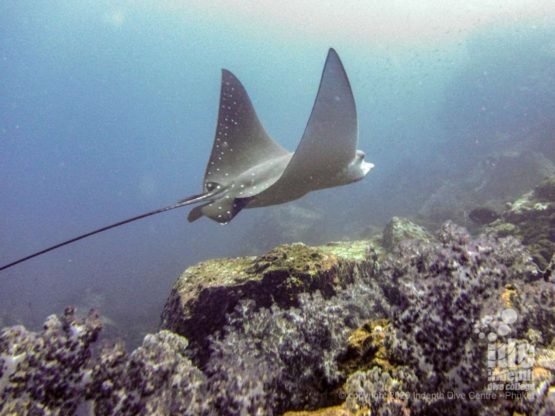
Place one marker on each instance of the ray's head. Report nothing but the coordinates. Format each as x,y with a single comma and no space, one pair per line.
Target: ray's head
358,168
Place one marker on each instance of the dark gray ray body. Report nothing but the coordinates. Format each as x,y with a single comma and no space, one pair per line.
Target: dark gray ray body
247,169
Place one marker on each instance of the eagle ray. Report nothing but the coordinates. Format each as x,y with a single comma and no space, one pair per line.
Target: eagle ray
247,169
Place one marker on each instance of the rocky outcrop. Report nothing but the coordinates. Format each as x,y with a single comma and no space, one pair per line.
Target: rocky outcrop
531,218
206,293
400,229
440,324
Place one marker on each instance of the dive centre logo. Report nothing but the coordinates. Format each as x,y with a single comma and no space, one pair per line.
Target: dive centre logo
509,360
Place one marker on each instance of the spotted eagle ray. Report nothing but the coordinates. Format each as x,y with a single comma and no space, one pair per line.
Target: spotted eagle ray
247,169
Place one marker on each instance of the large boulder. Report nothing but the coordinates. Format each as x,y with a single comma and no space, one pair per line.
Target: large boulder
205,293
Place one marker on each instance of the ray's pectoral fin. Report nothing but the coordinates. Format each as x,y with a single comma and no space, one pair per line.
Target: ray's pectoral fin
221,210
240,145
328,144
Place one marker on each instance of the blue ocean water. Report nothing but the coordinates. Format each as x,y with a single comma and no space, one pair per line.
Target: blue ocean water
108,110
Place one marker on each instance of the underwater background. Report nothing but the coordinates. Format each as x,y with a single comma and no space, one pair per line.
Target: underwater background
108,110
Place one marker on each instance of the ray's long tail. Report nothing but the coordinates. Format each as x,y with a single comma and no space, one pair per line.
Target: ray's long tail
188,201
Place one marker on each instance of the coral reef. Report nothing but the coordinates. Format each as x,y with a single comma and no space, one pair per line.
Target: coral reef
444,324
155,379
292,354
531,218
57,372
442,289
47,373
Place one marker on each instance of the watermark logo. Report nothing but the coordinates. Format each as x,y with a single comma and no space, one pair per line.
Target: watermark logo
509,360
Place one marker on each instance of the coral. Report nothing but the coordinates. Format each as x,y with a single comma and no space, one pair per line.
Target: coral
286,358
156,378
442,289
49,371
55,372
535,305
380,392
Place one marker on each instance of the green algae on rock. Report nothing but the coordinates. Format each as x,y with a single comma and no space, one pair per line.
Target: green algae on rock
206,293
399,229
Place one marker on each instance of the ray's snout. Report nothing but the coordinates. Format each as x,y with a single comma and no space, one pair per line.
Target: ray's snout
363,166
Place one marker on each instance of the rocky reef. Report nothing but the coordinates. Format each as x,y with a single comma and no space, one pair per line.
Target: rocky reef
205,294
413,322
58,371
531,218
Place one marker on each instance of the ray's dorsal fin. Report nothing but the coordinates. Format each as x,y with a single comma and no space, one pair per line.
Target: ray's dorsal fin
241,141
330,138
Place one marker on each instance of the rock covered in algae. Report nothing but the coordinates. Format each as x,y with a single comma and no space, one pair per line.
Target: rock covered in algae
204,294
531,218
400,229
